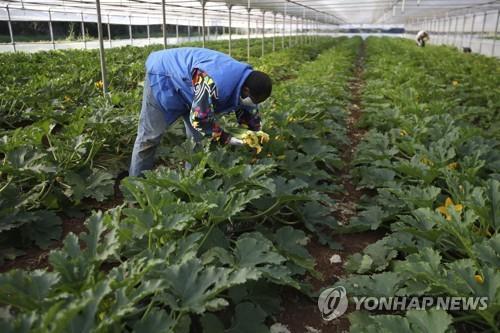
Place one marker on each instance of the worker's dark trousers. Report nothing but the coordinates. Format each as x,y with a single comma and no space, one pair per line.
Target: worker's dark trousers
152,125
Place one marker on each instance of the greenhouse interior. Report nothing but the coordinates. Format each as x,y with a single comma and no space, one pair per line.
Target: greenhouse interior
305,166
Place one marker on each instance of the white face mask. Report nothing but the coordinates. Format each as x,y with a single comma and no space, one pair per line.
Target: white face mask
247,101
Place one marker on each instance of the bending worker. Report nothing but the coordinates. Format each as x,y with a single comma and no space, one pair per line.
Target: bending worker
195,84
422,38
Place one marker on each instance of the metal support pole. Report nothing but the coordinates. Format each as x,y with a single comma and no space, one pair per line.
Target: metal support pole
302,25
84,36
472,29
483,26
291,33
164,23
448,29
317,30
109,31
438,30
274,32
130,30
148,31
263,30
442,25
248,31
11,32
306,30
434,30
455,35
51,31
463,32
176,32
495,35
189,32
101,48
297,31
314,25
313,29
229,7
309,30
203,2
284,29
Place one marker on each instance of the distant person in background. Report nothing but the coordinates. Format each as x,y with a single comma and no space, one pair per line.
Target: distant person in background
422,38
196,85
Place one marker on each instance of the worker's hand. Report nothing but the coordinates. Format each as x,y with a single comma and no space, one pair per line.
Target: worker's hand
236,142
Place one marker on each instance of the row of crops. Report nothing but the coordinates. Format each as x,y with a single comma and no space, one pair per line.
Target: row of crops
207,249
62,144
212,248
432,156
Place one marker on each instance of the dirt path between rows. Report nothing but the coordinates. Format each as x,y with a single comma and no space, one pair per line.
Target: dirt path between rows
301,314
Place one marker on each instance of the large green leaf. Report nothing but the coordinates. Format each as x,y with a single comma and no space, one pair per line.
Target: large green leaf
27,290
248,318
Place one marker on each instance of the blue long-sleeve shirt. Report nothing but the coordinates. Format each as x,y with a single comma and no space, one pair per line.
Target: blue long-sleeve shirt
202,113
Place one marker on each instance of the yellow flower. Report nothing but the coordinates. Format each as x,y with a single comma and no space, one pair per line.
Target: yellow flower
449,203
252,140
99,84
263,136
67,99
403,133
426,161
455,83
453,166
479,279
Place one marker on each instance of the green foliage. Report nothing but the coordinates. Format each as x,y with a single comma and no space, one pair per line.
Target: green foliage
186,245
431,156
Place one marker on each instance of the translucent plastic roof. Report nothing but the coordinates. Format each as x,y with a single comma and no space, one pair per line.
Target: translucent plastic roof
182,11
